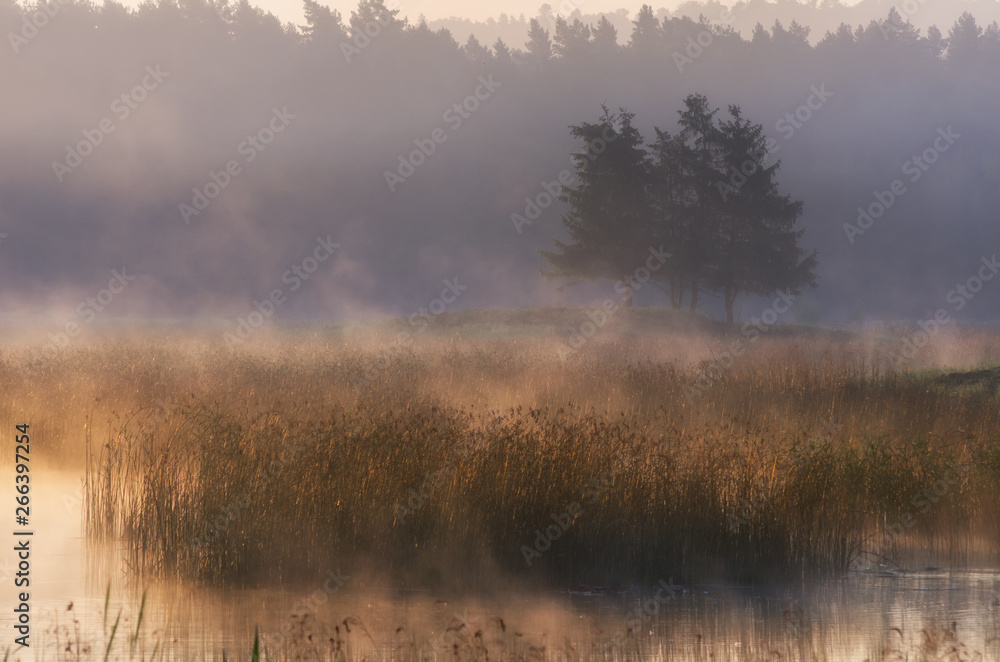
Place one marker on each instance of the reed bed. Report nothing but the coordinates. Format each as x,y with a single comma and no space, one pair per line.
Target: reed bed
448,464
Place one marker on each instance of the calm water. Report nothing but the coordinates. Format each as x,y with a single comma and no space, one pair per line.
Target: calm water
865,614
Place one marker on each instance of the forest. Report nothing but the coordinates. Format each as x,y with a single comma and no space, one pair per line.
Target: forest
355,95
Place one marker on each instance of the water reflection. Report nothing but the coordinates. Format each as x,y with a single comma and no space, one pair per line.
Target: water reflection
866,614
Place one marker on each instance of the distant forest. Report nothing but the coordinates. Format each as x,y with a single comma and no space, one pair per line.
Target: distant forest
742,16
205,147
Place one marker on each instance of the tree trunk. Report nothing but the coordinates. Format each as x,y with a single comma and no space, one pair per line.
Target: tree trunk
676,292
730,299
694,295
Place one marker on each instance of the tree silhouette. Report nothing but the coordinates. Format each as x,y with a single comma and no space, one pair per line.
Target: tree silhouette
605,37
755,243
608,219
645,31
539,45
572,40
476,53
672,201
322,23
706,196
502,55
964,39
700,138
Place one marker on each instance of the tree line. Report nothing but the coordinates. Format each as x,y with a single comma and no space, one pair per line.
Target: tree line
706,195
231,63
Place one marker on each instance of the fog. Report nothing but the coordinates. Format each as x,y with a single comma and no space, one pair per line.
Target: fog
118,124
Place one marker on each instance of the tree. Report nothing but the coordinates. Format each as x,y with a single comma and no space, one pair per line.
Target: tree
704,196
936,43
760,36
372,16
898,31
672,198
842,39
605,37
700,138
645,31
253,24
539,44
476,53
572,40
755,244
608,220
991,39
502,54
964,39
323,25
795,38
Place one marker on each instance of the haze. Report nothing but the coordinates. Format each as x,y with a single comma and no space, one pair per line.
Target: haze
336,125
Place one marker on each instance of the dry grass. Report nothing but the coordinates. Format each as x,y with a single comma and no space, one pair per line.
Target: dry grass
301,452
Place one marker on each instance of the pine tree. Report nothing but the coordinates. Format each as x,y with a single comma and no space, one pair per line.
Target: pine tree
502,54
646,33
964,39
935,41
605,37
323,25
539,44
476,53
572,40
755,243
672,198
701,156
373,15
608,220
